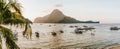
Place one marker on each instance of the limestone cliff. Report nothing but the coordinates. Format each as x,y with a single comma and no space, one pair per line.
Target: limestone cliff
58,17
54,17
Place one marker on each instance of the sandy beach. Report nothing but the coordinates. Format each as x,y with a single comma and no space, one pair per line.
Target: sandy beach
116,47
113,47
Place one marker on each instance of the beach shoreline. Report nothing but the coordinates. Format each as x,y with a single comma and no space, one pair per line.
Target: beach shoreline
113,47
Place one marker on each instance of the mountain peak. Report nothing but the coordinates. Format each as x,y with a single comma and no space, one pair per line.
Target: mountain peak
56,11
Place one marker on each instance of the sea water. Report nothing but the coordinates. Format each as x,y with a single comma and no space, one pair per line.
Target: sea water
103,36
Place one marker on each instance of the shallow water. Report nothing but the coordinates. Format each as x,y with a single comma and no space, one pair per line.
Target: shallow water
103,37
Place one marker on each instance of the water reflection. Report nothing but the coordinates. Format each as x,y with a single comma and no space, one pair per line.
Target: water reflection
56,40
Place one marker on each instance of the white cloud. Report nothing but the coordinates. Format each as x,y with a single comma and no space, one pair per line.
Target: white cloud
57,5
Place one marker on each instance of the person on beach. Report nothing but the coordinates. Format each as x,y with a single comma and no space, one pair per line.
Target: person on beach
15,35
37,34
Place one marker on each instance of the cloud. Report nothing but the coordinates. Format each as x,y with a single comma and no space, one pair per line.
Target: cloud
58,5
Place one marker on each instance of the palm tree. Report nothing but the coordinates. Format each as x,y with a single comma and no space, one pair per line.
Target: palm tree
10,14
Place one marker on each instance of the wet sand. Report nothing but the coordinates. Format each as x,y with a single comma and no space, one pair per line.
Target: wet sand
117,47
114,47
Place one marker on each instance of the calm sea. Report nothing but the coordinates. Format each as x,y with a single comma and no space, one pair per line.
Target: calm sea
103,37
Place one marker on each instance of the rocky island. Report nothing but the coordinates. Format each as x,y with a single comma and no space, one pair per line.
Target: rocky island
29,21
58,17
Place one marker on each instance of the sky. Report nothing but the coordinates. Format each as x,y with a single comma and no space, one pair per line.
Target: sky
105,11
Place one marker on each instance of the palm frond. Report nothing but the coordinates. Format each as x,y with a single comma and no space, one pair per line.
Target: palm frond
7,34
28,31
10,13
15,6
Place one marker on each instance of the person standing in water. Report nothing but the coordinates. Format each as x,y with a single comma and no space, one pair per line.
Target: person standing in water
15,35
37,34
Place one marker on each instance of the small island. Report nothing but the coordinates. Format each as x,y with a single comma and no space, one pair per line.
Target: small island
58,17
